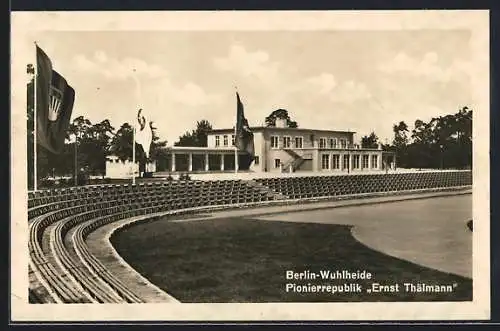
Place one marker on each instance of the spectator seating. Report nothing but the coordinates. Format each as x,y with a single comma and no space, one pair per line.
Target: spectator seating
70,271
327,186
61,219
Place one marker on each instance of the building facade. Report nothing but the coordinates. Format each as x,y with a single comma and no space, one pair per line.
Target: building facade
284,149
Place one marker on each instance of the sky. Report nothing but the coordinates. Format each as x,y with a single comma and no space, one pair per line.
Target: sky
360,81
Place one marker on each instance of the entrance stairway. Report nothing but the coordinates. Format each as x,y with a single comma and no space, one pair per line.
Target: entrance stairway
296,161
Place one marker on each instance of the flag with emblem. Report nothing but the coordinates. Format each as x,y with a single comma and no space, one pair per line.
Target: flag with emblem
144,132
54,102
244,136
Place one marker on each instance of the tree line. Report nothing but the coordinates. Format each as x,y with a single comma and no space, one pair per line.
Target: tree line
445,142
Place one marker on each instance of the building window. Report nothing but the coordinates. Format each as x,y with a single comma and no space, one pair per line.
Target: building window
225,140
277,163
322,142
374,161
333,143
345,164
232,140
274,142
355,161
256,160
298,142
217,141
365,161
336,161
343,143
286,142
325,161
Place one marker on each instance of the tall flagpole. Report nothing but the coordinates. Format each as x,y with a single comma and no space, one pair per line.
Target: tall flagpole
236,161
133,154
76,159
139,98
35,119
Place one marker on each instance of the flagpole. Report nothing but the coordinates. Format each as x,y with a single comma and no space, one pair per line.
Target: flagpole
35,119
133,155
236,161
76,157
138,92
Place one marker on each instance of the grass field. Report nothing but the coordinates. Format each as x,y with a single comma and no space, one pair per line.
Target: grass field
245,260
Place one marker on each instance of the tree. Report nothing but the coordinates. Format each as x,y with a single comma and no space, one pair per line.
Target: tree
121,143
187,140
96,146
197,137
280,114
400,142
446,141
203,127
370,141
400,136
158,151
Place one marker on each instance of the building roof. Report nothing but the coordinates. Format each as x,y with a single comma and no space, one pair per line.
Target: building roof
264,128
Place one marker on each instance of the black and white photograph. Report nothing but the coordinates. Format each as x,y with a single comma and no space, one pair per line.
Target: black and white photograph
250,166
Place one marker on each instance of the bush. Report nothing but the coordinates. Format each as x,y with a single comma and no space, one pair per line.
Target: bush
48,183
82,179
63,182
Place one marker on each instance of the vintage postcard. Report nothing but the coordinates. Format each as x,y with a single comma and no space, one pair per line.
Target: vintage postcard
250,166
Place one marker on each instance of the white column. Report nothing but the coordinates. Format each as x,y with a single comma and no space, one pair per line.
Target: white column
190,161
351,162
379,161
236,161
173,162
222,162
316,160
206,162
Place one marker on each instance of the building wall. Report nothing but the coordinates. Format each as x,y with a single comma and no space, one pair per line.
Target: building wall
310,147
352,154
310,138
259,152
211,140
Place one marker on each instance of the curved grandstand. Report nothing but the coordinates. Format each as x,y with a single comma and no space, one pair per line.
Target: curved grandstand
62,269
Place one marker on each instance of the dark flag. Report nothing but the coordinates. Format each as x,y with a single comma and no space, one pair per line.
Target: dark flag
54,102
244,136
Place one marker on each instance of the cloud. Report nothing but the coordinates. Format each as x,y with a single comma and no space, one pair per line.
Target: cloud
188,94
428,66
325,85
350,91
248,64
119,69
